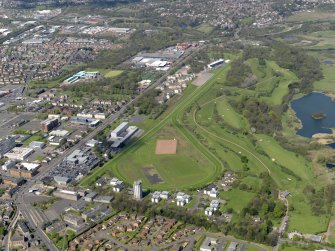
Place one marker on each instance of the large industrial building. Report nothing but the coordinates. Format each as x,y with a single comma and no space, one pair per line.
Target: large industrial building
6,144
122,133
82,75
66,194
19,153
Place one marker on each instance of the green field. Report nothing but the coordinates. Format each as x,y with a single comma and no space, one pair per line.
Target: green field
302,211
312,16
36,137
270,87
236,199
187,165
195,165
145,145
205,28
106,72
327,84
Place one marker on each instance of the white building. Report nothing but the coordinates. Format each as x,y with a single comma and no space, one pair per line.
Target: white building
209,211
211,191
30,166
36,145
62,181
164,195
19,153
156,197
118,131
182,199
59,133
8,164
137,189
92,143
116,184
6,144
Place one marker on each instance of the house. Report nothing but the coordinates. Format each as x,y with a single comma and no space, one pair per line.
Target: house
215,204
101,182
313,238
212,191
164,195
209,211
182,199
23,228
156,197
117,185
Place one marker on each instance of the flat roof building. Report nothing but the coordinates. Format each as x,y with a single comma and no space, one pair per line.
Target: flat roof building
36,145
49,124
82,75
6,144
118,131
60,180
66,194
19,153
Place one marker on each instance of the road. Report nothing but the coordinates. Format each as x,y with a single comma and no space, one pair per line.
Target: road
26,209
6,241
283,223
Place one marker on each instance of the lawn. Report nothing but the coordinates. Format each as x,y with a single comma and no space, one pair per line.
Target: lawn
181,170
106,72
236,199
36,137
291,248
302,219
296,163
310,16
229,115
186,168
205,28
328,83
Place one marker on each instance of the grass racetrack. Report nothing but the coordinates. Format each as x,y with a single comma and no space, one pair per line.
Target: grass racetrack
192,167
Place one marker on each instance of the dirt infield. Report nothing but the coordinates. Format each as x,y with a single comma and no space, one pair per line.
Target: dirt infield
166,146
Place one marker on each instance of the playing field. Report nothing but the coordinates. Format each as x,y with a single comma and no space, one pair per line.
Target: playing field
164,146
169,168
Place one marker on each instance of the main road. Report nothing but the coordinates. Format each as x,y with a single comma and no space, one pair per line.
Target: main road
26,209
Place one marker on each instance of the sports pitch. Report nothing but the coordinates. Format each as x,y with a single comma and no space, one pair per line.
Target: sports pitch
166,146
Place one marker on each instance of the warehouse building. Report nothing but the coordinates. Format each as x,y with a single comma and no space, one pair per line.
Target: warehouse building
19,153
66,194
6,144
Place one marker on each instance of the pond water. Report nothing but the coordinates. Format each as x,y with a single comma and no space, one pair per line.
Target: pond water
314,103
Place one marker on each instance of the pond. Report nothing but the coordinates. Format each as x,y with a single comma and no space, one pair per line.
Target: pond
311,104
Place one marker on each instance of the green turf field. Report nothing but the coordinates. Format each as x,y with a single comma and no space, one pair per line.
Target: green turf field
327,84
205,174
236,199
302,219
106,72
205,28
173,170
